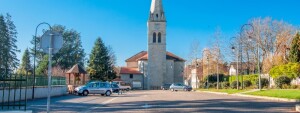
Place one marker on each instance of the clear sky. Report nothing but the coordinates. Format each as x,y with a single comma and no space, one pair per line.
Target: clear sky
122,23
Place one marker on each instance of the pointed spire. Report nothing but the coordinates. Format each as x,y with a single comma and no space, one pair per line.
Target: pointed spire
157,11
156,6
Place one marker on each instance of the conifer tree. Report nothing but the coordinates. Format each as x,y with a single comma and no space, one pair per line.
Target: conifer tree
25,64
294,55
100,66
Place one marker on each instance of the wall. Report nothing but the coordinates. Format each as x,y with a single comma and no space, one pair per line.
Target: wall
40,92
132,64
126,78
178,72
169,77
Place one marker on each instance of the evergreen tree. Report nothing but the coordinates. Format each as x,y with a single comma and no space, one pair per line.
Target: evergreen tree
3,38
8,39
100,66
42,66
25,64
294,55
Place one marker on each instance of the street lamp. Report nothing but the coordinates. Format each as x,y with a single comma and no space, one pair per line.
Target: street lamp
237,67
34,57
257,47
207,56
241,49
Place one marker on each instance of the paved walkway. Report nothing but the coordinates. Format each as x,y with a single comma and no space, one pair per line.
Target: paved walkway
162,102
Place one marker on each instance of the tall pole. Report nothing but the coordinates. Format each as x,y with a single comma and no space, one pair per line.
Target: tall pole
34,57
49,73
237,69
258,67
207,72
218,69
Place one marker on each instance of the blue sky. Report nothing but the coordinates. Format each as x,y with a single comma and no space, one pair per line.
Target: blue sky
122,23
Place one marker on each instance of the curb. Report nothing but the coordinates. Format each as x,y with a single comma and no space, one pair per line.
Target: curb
269,98
214,92
260,97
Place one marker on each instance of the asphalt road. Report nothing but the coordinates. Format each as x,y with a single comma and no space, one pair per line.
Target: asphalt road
161,102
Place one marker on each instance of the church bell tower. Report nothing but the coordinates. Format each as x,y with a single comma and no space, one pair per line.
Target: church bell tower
156,45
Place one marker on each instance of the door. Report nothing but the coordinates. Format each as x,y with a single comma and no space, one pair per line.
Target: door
93,88
102,88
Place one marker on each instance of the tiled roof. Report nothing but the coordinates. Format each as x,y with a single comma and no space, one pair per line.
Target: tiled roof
76,69
144,56
126,70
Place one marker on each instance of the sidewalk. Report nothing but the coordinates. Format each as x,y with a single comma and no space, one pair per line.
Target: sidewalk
243,94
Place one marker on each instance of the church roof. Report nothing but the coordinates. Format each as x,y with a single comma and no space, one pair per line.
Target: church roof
143,55
156,6
127,70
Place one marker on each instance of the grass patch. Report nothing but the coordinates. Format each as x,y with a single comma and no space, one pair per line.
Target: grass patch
279,93
229,91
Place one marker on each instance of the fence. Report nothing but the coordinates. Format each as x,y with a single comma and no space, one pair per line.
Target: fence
15,88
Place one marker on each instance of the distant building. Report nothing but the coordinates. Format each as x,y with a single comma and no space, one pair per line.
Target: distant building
244,68
156,66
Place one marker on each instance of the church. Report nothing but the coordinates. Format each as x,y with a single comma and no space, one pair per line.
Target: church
155,67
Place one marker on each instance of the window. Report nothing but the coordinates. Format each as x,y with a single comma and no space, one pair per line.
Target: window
156,15
159,37
154,37
131,76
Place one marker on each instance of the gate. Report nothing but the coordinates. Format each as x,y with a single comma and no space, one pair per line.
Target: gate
13,92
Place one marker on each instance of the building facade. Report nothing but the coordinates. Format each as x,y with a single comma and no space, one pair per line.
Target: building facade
155,66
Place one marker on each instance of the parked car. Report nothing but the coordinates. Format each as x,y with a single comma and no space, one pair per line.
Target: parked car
103,88
115,88
179,86
165,87
123,86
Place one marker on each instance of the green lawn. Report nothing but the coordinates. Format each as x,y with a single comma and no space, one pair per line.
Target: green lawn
279,93
229,91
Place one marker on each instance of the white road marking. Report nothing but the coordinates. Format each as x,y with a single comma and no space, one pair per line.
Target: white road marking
103,103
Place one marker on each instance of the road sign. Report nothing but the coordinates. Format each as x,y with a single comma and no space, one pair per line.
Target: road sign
57,41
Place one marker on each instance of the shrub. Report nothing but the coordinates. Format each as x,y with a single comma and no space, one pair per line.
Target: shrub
264,82
280,81
234,84
247,83
286,86
225,85
294,86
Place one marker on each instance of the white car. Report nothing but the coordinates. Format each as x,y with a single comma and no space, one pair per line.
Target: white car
103,88
122,86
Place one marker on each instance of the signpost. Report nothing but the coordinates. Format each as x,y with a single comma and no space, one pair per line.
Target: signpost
51,41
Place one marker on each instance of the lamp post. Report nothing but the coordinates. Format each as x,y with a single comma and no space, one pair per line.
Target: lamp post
34,57
207,57
258,57
237,67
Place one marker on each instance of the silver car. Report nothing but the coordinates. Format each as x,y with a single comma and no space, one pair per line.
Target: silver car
179,86
103,88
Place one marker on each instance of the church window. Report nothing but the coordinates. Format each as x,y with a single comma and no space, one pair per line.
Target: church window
159,37
156,15
131,76
154,37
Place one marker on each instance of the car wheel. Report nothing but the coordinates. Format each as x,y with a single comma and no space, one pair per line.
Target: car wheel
102,94
85,93
108,93
127,89
163,89
172,89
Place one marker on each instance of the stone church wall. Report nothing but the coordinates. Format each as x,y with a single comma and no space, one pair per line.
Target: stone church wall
178,72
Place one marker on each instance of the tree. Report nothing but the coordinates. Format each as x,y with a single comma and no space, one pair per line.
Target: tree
100,66
25,65
70,54
294,55
8,48
42,66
